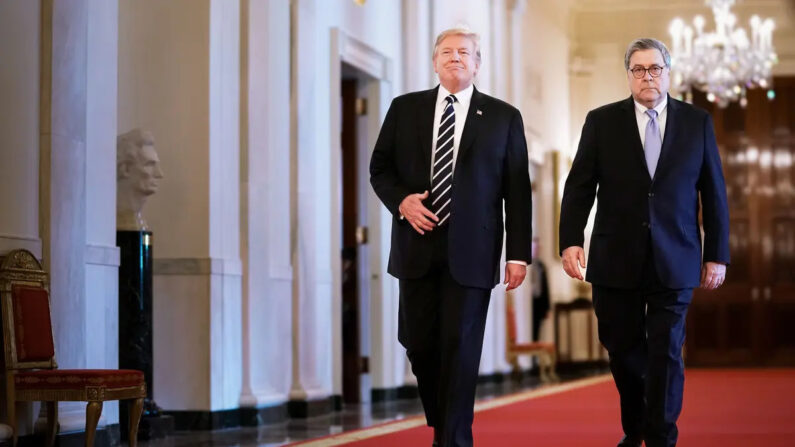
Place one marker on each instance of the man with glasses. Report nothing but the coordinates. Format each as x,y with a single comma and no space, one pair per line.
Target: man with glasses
648,159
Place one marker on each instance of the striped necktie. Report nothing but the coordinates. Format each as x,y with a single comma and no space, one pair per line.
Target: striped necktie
442,180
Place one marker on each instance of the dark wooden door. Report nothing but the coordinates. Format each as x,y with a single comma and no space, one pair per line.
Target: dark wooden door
351,345
777,228
749,320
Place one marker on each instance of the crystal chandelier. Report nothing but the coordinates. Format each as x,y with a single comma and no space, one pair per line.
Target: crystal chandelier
723,63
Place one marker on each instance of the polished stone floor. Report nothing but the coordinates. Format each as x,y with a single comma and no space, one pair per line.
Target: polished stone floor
352,417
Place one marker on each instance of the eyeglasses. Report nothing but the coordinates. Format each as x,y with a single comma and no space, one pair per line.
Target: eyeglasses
639,72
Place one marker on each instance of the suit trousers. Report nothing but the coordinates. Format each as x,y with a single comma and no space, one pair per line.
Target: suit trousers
441,326
643,330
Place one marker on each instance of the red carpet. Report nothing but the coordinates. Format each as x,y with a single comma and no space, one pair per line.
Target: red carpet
726,408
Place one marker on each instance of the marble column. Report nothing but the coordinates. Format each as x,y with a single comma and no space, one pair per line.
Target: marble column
265,186
312,295
62,170
102,254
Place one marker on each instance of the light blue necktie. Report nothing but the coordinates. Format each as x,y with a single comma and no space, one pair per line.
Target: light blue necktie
653,143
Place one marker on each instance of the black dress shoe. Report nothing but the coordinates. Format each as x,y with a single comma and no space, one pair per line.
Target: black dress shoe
628,441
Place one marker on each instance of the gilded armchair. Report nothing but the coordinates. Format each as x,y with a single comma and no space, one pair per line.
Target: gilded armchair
31,372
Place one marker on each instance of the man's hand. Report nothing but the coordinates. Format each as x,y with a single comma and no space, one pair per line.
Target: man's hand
712,275
514,275
412,209
571,257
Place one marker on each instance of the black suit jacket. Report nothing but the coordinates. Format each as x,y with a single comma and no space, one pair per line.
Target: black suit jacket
632,206
491,168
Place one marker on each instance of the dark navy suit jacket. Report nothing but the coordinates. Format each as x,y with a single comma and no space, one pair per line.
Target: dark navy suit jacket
490,169
631,206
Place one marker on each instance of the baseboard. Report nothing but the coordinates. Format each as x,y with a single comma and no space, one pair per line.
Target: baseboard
384,394
205,420
253,417
408,392
600,366
497,377
337,403
302,409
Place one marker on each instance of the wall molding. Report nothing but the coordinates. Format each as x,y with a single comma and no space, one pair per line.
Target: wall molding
197,266
10,242
362,56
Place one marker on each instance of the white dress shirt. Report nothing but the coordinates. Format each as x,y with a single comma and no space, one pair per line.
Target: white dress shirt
643,119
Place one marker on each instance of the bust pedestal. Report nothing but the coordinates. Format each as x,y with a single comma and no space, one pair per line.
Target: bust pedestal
135,327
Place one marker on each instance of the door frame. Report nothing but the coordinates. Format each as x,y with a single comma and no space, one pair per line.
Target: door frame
378,84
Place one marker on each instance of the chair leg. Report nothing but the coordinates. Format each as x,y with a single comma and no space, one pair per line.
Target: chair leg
136,408
553,361
543,366
516,372
52,423
93,411
11,406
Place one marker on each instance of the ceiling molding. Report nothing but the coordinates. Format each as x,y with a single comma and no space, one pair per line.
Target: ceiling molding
580,6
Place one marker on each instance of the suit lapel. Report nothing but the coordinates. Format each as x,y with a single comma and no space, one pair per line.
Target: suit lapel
671,125
472,124
425,117
636,146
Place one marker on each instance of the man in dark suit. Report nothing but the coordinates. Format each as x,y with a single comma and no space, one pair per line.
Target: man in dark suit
652,158
445,162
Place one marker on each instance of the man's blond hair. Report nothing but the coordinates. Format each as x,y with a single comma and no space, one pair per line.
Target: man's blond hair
458,31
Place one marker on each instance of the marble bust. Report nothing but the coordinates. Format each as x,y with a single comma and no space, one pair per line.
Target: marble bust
137,175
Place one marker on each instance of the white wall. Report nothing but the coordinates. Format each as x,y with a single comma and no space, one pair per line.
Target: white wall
476,15
163,87
179,75
19,125
20,38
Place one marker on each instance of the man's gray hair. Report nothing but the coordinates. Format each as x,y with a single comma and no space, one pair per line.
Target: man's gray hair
647,44
128,145
459,31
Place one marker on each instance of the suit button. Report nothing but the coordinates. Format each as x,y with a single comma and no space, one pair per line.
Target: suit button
651,194
646,224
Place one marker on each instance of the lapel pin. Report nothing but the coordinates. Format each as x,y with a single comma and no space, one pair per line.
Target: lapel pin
479,112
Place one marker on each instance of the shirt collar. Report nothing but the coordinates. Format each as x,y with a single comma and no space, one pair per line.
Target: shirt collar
640,108
463,97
